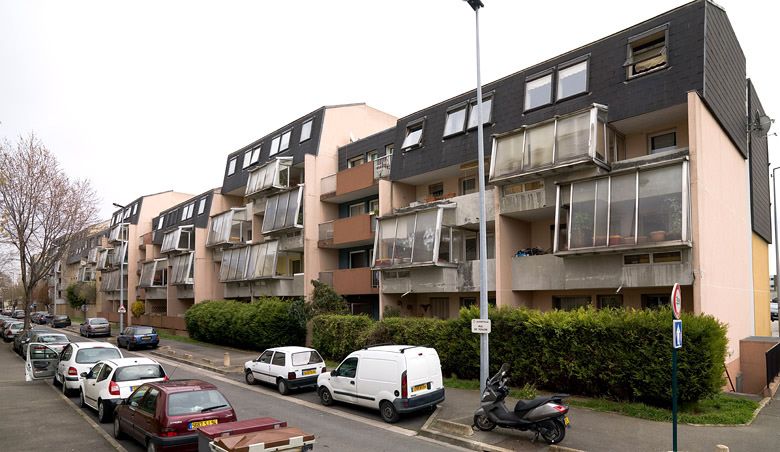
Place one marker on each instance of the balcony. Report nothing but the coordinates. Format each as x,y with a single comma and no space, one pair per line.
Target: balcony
93,255
356,182
467,208
347,232
270,177
180,239
118,233
292,241
462,278
352,281
550,272
284,211
560,145
287,287
230,228
146,239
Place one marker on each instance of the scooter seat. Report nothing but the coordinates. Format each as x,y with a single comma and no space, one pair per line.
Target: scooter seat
526,405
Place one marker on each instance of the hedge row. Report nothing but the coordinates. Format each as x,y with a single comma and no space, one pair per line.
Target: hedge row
269,322
621,354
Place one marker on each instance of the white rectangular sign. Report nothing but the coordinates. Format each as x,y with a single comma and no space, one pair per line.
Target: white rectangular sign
480,325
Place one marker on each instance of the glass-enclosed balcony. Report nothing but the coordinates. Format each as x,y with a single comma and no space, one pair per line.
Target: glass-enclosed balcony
118,233
182,270
180,239
274,174
284,211
104,258
561,144
93,254
86,273
119,255
109,281
641,208
258,261
154,274
231,227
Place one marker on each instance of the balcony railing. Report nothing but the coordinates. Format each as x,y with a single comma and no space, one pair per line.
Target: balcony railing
180,239
351,281
348,231
272,175
382,167
328,184
230,227
560,144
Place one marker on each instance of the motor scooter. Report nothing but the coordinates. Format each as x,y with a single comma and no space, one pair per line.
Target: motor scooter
547,416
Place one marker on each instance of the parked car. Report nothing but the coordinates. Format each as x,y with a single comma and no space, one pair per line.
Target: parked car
59,321
79,357
95,326
45,319
11,330
166,415
18,314
138,336
111,381
23,338
6,312
395,379
36,317
286,367
55,341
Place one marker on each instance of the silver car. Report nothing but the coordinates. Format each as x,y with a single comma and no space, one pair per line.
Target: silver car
95,326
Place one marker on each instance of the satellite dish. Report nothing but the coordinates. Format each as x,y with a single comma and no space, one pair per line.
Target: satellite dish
762,124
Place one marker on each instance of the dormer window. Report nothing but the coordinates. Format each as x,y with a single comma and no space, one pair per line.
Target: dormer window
456,120
538,91
201,206
487,111
647,52
413,135
306,130
231,166
285,141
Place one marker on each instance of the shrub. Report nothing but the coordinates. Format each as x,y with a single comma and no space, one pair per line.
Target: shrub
391,311
325,300
267,322
138,308
80,293
614,353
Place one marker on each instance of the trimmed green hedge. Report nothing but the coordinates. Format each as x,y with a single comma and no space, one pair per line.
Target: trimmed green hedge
615,353
269,322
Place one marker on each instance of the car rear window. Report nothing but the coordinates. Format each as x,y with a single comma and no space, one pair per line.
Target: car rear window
49,338
98,321
304,358
93,355
61,317
195,402
144,330
139,372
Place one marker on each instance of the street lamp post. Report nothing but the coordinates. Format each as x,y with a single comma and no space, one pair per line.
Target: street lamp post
121,270
484,356
777,245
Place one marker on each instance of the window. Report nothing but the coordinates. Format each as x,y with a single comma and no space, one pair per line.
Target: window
663,141
373,207
413,135
407,238
635,259
654,301
467,302
455,120
283,211
104,373
182,269
436,190
285,142
357,259
646,52
357,209
178,240
306,130
389,149
348,368
160,223
609,301
355,161
468,185
571,303
279,359
231,166
229,227
487,111
136,397
572,79
371,156
274,174
154,274
149,403
192,402
201,206
265,358
538,91
135,208
247,159
252,262
275,145
666,257
440,307
186,211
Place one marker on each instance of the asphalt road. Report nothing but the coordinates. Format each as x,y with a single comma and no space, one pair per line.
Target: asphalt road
341,428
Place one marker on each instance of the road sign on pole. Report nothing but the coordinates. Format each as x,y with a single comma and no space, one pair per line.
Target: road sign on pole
480,326
677,334
676,300
121,309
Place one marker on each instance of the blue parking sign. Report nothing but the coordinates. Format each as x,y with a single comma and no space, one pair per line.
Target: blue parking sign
677,333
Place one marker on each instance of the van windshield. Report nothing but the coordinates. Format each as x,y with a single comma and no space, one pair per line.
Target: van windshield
304,358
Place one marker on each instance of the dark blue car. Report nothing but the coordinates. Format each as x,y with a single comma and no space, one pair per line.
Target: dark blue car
138,336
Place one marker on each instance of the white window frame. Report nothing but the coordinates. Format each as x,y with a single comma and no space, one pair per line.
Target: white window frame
275,145
231,166
247,159
373,206
160,222
201,206
284,144
356,161
362,207
272,210
182,269
306,128
568,66
648,36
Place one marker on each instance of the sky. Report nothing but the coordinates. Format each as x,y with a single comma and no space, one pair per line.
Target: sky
146,96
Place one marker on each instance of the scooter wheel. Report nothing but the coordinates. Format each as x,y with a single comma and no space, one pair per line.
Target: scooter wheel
553,431
484,423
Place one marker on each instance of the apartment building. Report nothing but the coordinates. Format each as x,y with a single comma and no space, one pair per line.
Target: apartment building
120,262
266,238
617,169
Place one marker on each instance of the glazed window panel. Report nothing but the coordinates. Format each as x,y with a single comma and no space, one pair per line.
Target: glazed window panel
487,112
181,269
622,208
660,204
424,236
602,206
386,234
583,208
509,154
539,146
455,121
573,80
538,92
404,238
282,211
306,130
572,137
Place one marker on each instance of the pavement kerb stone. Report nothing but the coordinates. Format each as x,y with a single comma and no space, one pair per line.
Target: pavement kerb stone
194,363
456,440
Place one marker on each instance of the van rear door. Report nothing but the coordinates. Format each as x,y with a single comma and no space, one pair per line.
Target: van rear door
423,371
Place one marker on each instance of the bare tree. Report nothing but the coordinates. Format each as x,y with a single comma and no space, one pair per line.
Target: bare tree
42,210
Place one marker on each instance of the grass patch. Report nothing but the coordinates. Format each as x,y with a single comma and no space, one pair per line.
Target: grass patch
186,339
720,409
524,392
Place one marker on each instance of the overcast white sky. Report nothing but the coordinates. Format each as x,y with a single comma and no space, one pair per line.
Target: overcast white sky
145,96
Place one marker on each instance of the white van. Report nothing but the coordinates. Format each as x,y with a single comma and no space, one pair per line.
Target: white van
395,379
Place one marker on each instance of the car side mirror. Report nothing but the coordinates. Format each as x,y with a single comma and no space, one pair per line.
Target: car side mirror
334,373
84,374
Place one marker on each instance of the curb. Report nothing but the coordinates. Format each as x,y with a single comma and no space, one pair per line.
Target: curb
193,363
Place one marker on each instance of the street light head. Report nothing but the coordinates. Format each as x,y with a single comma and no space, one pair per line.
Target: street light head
475,4
118,205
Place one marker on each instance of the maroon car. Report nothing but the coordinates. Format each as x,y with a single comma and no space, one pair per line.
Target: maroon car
166,415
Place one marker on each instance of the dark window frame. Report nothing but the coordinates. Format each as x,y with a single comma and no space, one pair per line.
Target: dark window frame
565,65
411,127
464,106
309,121
664,28
536,76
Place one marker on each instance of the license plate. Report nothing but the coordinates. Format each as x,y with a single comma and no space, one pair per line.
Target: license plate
199,424
566,421
146,338
309,371
420,387
132,388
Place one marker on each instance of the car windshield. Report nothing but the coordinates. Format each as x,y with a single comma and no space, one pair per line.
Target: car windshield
304,358
139,372
98,321
192,402
93,355
50,338
144,330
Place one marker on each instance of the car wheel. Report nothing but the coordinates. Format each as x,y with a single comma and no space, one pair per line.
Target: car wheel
117,429
104,412
54,381
249,377
325,396
282,386
65,390
388,412
82,402
129,347
150,446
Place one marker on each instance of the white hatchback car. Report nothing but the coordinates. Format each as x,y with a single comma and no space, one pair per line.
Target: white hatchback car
111,381
286,367
78,357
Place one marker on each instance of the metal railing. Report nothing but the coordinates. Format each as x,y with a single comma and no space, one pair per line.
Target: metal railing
328,184
382,166
772,363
